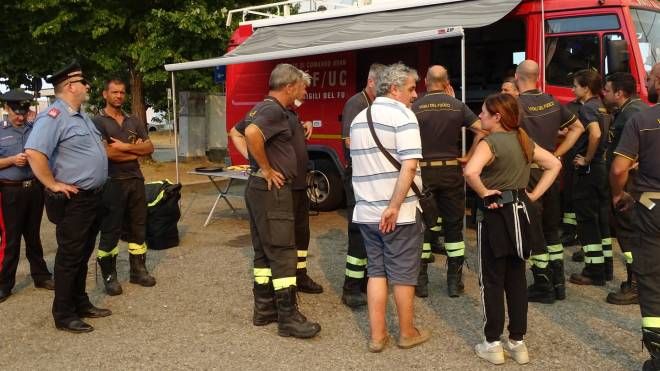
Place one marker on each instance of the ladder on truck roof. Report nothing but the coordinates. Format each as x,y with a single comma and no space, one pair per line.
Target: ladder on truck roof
284,8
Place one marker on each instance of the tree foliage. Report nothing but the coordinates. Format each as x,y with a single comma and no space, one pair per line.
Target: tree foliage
115,38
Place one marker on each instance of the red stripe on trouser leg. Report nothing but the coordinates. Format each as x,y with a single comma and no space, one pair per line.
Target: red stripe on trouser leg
3,240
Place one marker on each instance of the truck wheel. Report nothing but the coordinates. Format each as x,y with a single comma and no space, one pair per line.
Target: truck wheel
324,186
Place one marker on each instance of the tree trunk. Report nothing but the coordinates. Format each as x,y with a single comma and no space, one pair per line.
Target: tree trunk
138,108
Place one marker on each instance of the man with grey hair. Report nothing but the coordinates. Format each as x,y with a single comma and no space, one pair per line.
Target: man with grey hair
386,207
355,280
270,204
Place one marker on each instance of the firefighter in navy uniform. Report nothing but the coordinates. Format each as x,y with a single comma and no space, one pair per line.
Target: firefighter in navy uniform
67,155
640,142
355,280
441,117
21,197
542,118
619,93
124,196
268,196
590,193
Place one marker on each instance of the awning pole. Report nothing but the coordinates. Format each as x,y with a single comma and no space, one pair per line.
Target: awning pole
543,43
176,128
463,131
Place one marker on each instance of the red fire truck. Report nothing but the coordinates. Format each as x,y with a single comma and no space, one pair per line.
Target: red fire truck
336,47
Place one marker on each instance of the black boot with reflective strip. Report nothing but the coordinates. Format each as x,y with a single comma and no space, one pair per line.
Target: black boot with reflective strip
455,285
558,278
627,294
542,290
139,273
290,322
651,340
422,288
352,294
108,266
265,311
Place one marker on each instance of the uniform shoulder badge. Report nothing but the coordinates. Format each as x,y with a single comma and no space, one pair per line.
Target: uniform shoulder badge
54,112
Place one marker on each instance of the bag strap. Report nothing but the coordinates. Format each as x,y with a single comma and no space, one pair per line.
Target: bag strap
385,153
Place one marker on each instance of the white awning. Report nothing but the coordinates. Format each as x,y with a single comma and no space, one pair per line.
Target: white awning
360,31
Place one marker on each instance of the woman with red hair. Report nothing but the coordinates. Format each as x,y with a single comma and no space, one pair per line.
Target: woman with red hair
507,227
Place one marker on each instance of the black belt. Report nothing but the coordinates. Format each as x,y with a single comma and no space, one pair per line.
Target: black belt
92,191
18,183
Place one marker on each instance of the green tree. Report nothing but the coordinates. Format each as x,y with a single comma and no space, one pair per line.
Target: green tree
128,39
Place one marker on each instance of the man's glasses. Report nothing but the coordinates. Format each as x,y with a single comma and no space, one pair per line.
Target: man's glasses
82,81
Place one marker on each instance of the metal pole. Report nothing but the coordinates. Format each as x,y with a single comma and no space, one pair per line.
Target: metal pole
463,131
175,124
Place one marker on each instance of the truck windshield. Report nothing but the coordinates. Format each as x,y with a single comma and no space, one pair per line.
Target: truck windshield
647,27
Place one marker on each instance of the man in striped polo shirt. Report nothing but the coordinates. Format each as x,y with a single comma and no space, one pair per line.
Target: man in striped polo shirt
386,208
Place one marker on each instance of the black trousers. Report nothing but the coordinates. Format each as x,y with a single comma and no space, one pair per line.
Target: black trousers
646,263
591,202
77,222
566,194
301,219
446,183
126,213
356,257
272,228
549,208
22,209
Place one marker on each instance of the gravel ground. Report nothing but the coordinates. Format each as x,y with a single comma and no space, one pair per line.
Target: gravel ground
198,316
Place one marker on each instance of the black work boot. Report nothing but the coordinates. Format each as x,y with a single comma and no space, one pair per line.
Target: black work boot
609,269
578,256
422,288
265,311
542,290
455,285
108,266
569,237
592,274
139,273
352,294
558,278
306,284
290,322
651,340
628,292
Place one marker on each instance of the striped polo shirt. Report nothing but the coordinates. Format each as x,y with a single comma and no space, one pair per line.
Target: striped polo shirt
374,177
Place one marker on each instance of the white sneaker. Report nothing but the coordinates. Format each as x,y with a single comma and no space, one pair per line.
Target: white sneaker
516,350
491,352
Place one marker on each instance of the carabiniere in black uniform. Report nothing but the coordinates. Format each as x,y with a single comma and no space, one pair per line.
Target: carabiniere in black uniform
22,199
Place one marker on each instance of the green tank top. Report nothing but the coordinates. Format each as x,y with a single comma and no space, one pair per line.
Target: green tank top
509,169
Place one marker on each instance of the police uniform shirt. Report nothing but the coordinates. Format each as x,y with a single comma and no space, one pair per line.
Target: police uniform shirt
543,117
72,144
129,131
441,117
273,122
640,141
12,142
353,106
300,148
592,111
621,117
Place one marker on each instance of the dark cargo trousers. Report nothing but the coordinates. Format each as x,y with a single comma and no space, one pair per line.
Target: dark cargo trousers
22,209
356,256
446,183
126,213
549,208
301,218
591,202
272,231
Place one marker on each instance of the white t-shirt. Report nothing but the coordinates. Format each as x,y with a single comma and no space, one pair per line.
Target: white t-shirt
374,177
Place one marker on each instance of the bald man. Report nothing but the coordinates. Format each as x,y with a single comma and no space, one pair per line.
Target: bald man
542,118
441,117
640,142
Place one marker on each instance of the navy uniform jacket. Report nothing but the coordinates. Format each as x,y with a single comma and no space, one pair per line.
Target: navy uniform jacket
12,142
72,144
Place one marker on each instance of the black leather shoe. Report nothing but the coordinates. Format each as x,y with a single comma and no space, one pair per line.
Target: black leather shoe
47,284
94,312
76,326
4,295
